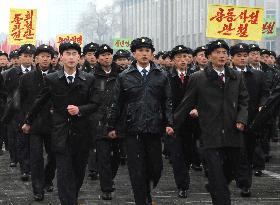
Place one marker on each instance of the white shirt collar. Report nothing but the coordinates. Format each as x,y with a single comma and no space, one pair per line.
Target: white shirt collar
23,69
256,68
139,68
220,72
180,72
73,75
240,70
46,72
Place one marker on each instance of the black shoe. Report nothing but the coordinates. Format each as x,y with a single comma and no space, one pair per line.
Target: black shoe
13,164
182,193
24,177
258,173
106,196
93,175
49,188
245,192
38,197
196,167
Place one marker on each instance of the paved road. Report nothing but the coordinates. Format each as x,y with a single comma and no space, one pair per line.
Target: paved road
265,190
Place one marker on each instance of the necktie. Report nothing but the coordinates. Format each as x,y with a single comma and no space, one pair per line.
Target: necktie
70,79
26,70
145,73
221,78
44,74
182,77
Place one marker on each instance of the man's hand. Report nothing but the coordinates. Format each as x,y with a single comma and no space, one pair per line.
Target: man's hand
240,126
26,128
73,110
169,131
112,134
194,113
260,108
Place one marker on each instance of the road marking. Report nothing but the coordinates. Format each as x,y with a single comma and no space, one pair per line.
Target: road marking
272,174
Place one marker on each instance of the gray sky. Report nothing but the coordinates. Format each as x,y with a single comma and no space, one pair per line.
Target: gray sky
50,14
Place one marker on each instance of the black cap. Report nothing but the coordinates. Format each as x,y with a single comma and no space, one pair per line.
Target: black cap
238,48
121,54
55,53
14,54
199,49
254,47
272,53
44,48
104,48
180,49
69,45
3,53
265,51
213,45
167,54
27,48
160,53
91,47
143,42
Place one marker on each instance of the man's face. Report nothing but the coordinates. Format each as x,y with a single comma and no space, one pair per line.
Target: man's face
181,61
105,59
26,59
54,60
201,59
143,55
70,58
90,57
82,60
265,58
123,62
219,57
3,61
44,59
169,62
15,61
190,58
240,60
254,57
272,60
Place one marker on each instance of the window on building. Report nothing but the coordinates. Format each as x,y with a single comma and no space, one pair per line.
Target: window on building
270,13
271,45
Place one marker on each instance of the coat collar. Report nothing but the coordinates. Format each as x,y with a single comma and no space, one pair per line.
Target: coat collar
79,74
133,67
115,70
212,74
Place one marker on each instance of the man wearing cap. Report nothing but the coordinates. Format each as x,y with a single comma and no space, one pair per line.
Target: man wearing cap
168,63
158,58
142,98
70,93
121,58
258,92
108,150
18,144
90,59
200,60
14,58
180,146
221,99
30,86
4,61
55,61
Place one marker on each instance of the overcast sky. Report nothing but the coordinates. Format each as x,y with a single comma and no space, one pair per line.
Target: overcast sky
45,26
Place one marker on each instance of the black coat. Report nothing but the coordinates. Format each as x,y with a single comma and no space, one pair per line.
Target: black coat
103,86
257,87
30,86
220,106
144,105
88,68
67,129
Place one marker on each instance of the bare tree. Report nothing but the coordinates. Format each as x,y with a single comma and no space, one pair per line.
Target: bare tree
99,25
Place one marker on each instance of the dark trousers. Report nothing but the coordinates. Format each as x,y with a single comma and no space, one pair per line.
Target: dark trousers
23,151
41,176
180,157
245,170
222,169
259,156
12,131
92,160
108,159
144,154
71,166
3,136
